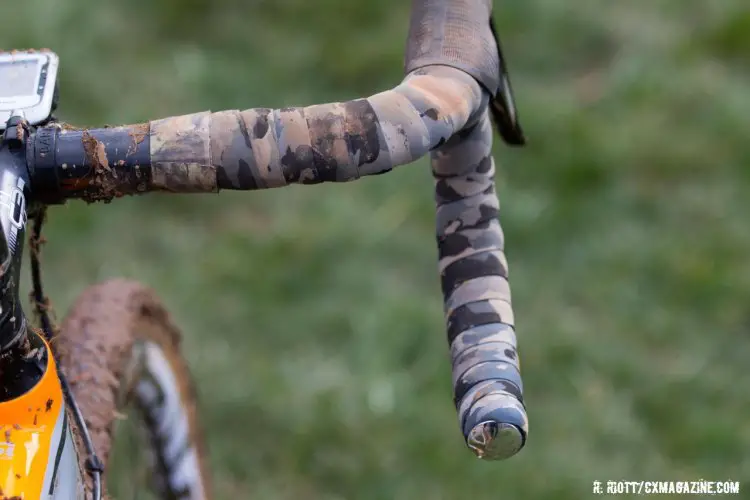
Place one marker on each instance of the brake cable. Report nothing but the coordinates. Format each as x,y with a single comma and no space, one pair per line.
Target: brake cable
94,466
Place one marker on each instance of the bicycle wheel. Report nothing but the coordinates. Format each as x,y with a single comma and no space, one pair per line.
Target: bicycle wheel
119,350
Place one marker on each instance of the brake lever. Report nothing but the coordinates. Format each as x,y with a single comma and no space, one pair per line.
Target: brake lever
503,105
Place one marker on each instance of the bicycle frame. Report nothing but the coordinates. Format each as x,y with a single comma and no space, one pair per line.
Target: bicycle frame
38,458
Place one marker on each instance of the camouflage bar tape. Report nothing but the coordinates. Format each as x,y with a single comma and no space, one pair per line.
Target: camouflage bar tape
438,109
338,142
474,276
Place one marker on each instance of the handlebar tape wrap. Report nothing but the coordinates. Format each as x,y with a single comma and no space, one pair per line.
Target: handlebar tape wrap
336,142
487,383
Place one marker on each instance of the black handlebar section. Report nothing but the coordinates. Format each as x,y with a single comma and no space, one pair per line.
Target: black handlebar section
93,165
456,82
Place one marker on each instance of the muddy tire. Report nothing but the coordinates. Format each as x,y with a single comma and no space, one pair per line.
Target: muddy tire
119,348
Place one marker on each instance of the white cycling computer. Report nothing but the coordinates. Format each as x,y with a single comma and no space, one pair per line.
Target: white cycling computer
27,85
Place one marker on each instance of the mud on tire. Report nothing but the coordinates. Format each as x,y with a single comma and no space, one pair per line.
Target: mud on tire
100,346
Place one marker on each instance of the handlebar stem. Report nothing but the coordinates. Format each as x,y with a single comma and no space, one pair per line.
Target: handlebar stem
22,357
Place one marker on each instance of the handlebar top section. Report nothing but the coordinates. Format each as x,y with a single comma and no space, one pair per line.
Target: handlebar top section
259,148
454,69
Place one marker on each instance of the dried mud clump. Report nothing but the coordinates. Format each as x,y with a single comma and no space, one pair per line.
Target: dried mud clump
104,182
138,133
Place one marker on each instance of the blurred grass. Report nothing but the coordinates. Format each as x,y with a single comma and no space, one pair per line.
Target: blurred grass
312,315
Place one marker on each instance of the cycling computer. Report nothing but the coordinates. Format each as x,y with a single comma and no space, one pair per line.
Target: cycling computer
27,85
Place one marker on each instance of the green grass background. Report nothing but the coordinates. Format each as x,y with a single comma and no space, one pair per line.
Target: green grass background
312,315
